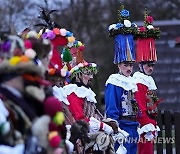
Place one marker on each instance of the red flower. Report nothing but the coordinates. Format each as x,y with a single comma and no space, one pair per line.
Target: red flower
149,19
142,29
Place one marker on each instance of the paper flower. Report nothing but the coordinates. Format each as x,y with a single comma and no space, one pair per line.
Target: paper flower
133,24
150,27
127,23
118,25
142,29
93,65
124,13
149,19
112,26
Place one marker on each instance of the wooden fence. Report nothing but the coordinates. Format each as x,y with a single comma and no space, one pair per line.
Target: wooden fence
169,137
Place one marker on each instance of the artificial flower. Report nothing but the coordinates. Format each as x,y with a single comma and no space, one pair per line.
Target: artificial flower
150,27
119,25
149,19
127,23
112,26
124,13
142,29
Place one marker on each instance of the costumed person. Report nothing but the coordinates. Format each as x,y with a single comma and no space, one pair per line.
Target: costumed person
16,69
146,97
120,87
57,74
82,102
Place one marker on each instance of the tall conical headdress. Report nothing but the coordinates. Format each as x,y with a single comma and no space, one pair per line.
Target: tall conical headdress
123,37
146,35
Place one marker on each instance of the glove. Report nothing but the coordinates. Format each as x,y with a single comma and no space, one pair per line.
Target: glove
107,129
121,136
149,136
94,124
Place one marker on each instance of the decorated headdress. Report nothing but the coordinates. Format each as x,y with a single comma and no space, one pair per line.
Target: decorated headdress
123,37
78,64
19,63
146,36
58,36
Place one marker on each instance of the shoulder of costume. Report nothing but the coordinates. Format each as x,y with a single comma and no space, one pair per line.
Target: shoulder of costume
127,83
81,92
60,94
145,79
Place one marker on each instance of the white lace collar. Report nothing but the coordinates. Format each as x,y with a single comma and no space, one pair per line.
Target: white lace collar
145,79
81,92
60,94
127,83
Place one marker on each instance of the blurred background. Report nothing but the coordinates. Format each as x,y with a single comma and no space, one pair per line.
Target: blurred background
89,20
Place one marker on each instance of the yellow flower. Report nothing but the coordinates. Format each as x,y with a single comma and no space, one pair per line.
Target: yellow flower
14,60
59,118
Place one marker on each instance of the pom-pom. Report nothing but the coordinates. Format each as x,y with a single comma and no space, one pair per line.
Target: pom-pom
63,72
14,60
68,34
55,141
81,48
30,53
56,31
51,71
63,32
52,134
53,127
58,151
27,44
44,35
24,59
52,105
79,43
67,57
71,39
59,118
51,35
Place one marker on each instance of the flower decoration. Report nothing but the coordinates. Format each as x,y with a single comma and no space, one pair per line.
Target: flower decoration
124,26
148,30
124,13
85,68
149,19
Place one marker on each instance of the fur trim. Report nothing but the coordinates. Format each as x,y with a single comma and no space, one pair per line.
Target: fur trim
20,69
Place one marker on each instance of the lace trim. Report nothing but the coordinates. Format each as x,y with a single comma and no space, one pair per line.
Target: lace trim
148,129
145,79
81,92
127,83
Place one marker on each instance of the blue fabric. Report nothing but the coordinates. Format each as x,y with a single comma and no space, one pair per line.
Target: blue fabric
123,44
113,98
